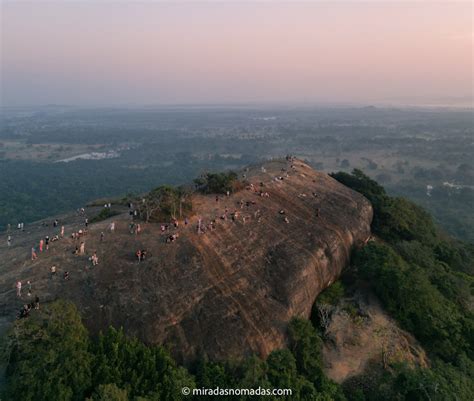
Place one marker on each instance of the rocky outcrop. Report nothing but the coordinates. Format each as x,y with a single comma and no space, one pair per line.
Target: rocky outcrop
227,292
362,339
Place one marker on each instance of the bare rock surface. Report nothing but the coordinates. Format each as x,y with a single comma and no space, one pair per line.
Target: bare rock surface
361,337
228,292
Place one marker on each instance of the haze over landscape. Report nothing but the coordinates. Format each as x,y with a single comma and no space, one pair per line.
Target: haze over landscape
135,53
247,200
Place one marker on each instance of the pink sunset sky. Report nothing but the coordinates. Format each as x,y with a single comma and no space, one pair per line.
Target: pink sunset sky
132,53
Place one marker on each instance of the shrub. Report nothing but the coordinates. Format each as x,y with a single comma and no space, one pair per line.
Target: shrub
104,214
332,295
217,183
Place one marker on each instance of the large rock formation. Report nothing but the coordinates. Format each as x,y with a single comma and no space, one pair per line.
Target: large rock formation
228,292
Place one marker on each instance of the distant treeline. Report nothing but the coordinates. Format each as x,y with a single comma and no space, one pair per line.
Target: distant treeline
31,191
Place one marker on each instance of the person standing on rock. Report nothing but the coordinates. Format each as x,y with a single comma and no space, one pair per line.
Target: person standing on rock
33,254
95,259
112,226
62,231
102,235
9,240
18,289
41,245
46,241
37,303
86,222
82,248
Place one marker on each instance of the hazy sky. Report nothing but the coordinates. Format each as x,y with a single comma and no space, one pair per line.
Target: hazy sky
111,52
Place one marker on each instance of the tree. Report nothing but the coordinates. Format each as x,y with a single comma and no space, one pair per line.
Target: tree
150,204
282,372
48,356
141,370
218,183
395,219
165,202
254,373
109,392
305,345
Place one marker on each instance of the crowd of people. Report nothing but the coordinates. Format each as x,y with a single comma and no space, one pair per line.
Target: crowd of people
26,308
244,211
43,247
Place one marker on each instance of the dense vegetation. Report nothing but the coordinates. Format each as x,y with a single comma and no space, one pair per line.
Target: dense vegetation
217,183
453,208
51,357
104,214
425,281
164,202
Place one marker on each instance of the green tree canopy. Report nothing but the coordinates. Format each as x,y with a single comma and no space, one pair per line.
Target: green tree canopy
48,356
